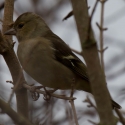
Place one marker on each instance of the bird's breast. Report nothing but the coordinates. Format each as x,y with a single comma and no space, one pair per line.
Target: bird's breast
38,61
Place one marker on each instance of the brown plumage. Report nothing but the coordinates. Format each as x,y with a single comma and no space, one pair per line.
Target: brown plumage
46,57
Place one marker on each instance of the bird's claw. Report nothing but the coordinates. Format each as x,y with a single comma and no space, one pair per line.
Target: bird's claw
35,95
47,95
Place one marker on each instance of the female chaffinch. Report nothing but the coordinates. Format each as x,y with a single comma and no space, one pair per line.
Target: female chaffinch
46,57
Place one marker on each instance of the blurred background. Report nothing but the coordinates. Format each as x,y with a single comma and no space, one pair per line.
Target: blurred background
57,111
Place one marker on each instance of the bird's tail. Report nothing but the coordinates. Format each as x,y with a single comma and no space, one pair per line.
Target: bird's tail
115,105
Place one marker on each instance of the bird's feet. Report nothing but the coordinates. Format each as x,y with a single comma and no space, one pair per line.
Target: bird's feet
47,95
35,95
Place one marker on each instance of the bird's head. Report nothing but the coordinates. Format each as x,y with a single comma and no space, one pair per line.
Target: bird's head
27,26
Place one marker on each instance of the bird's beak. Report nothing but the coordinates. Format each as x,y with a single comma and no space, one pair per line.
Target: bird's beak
10,32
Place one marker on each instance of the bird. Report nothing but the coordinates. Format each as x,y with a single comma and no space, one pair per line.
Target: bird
46,57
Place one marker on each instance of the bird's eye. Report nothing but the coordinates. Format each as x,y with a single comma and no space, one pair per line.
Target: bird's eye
20,25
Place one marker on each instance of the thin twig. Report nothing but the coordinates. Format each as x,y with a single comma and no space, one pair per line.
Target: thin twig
53,95
90,19
101,33
73,106
90,102
12,93
121,118
77,52
101,28
92,122
74,111
68,15
103,50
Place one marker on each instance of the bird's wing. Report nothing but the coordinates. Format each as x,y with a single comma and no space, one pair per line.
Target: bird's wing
64,55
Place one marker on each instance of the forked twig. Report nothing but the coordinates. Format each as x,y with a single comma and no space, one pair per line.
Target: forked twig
90,19
90,102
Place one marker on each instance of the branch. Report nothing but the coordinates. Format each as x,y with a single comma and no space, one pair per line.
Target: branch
71,98
12,62
101,33
15,117
51,94
89,102
90,19
90,52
